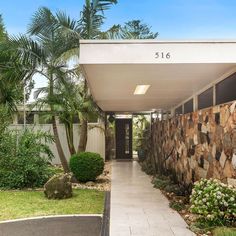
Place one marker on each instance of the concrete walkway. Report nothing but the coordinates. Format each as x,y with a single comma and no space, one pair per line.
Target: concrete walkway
137,209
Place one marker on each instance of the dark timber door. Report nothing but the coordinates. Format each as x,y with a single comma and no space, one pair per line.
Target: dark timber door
124,139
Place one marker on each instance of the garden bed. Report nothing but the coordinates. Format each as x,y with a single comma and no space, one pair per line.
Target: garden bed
182,205
102,183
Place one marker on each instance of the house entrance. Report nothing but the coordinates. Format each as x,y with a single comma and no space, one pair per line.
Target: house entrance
123,128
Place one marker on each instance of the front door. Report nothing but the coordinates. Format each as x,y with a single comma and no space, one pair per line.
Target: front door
124,138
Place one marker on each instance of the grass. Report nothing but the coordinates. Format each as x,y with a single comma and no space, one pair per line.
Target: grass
222,231
201,226
22,204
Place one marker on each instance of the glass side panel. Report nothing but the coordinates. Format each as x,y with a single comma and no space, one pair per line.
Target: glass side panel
188,106
127,139
225,90
205,99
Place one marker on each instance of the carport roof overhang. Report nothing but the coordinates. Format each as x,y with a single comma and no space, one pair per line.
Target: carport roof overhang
175,70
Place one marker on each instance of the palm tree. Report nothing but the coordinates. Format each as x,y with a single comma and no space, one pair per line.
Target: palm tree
72,31
53,39
88,27
42,51
69,103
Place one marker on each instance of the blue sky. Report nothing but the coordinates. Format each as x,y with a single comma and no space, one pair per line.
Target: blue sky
173,19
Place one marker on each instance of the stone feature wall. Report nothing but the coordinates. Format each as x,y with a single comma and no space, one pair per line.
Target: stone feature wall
198,145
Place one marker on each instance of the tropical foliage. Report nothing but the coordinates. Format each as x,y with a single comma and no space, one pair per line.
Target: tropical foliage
52,40
11,88
3,33
24,157
48,49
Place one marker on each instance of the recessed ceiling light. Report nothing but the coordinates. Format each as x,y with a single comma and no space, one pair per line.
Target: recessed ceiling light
141,89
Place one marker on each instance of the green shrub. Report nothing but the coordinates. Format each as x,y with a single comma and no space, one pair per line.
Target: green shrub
147,167
176,189
4,118
214,201
201,227
24,158
161,183
86,166
178,206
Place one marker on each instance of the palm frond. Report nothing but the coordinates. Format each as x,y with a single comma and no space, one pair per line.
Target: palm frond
27,51
102,5
40,91
42,23
65,22
116,32
92,17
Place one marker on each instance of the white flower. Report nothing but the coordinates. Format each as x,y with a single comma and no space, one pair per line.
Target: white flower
232,199
209,216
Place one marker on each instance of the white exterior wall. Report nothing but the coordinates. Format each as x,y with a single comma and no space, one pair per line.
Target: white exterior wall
95,143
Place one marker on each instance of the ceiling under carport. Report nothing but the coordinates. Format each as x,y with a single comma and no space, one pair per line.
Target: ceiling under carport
113,69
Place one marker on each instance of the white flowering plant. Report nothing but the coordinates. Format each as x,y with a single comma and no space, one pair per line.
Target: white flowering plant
214,201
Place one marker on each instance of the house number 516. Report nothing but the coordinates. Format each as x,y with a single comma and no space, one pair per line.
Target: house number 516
162,55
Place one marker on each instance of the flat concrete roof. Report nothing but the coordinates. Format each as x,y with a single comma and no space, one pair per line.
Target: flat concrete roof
175,70
153,41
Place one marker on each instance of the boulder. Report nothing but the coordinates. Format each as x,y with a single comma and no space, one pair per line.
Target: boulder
58,187
90,184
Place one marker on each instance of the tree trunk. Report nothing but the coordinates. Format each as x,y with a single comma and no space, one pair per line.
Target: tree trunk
70,138
59,147
83,135
55,131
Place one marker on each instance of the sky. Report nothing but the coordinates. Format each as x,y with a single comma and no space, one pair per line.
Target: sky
172,19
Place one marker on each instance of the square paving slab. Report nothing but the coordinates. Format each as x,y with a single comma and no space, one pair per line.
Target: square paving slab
138,209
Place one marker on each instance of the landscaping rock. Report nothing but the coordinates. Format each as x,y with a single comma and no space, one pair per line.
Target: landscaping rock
58,187
90,183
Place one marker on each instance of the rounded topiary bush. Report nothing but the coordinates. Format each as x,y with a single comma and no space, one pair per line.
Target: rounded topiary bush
86,166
